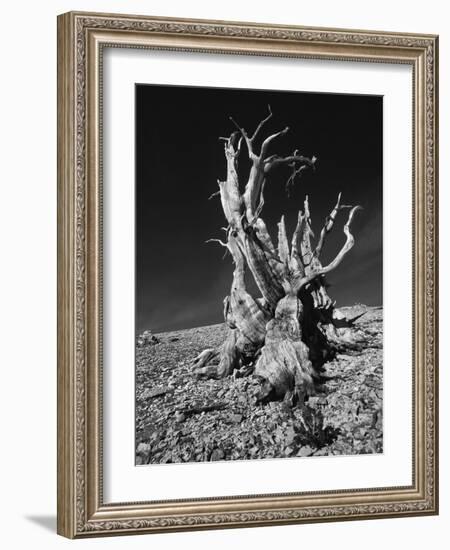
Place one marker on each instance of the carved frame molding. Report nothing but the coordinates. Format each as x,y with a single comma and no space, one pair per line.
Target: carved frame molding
81,38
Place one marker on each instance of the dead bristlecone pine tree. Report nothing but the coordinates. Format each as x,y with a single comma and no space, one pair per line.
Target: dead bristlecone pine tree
285,335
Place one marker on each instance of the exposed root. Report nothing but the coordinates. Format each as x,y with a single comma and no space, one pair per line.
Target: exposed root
205,357
340,331
229,356
284,363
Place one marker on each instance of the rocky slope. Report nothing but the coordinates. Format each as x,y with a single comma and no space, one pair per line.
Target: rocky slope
182,419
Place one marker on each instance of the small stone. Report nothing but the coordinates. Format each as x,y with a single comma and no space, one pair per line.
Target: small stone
236,418
315,402
288,451
180,417
155,392
321,452
290,436
143,448
312,401
146,338
217,454
305,451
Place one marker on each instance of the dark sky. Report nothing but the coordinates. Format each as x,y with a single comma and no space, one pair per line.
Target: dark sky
180,280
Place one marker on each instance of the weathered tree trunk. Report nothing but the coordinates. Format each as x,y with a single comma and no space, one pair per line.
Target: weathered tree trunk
287,334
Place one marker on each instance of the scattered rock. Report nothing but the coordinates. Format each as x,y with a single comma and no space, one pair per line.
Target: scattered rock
182,419
321,452
217,454
290,436
305,451
146,339
143,448
155,392
317,401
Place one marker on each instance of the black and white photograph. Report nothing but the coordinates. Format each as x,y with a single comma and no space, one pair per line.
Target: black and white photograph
258,274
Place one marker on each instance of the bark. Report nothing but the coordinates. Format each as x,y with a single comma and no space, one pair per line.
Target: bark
284,362
286,334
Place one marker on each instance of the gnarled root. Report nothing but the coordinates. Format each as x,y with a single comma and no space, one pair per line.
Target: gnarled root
340,331
284,362
206,357
219,363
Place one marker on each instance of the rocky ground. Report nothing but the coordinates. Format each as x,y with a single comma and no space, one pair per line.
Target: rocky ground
182,419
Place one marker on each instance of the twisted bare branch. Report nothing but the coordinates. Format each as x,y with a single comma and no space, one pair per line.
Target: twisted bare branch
269,140
225,245
348,245
261,124
245,137
328,225
276,160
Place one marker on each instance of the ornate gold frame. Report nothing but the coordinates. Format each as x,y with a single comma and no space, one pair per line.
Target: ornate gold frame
81,37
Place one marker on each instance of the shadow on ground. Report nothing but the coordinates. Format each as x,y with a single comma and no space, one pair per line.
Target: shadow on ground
46,522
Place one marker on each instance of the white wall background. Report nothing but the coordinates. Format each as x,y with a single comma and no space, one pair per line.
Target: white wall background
28,271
